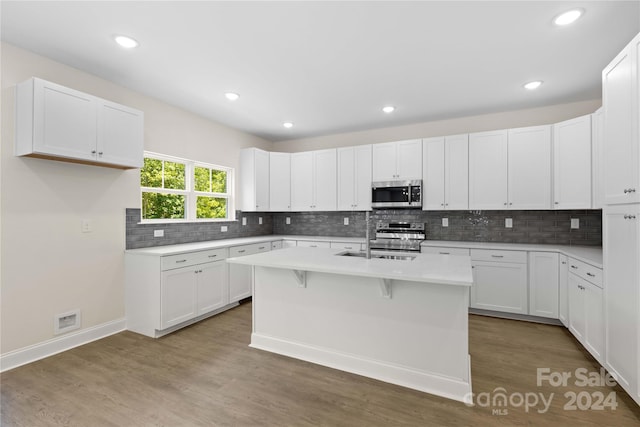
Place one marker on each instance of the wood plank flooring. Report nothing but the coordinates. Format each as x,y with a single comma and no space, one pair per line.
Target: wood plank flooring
206,375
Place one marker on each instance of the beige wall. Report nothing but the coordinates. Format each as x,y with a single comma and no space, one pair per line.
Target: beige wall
505,120
48,265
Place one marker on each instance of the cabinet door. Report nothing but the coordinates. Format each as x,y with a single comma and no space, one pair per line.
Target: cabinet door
384,161
409,159
64,121
363,178
302,181
346,179
572,164
594,320
488,170
120,135
543,284
563,298
262,180
213,289
325,180
240,279
499,287
620,104
456,172
279,182
621,241
529,168
576,307
178,296
433,174
597,159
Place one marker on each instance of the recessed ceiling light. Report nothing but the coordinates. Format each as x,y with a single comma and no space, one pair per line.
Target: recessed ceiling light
231,96
568,17
126,42
288,125
533,85
388,109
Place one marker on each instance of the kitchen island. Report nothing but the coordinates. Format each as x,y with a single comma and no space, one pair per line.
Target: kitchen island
400,321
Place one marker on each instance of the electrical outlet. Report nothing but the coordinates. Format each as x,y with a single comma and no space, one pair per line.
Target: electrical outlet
223,228
260,220
445,222
158,233
244,220
86,226
508,222
287,220
575,223
346,220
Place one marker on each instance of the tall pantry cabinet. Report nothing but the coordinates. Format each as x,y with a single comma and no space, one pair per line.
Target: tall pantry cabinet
621,228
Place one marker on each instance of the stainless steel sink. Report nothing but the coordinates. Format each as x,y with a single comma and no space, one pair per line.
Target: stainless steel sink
379,256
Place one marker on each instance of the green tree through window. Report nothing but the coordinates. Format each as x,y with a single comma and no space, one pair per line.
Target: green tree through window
173,189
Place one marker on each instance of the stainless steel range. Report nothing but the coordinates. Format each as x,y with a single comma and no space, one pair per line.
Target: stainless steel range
398,236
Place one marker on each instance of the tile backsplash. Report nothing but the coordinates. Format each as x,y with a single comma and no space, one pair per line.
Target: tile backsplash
141,235
546,227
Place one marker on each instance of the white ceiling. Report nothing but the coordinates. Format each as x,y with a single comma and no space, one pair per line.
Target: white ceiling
331,66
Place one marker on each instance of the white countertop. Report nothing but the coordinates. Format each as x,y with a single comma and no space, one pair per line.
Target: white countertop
589,254
439,269
225,243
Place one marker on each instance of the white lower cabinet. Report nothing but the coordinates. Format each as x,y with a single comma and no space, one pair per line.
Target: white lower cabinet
164,293
586,307
543,284
442,250
349,246
289,243
276,244
241,276
313,244
563,297
193,291
500,280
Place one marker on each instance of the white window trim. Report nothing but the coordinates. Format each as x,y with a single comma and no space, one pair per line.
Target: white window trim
190,194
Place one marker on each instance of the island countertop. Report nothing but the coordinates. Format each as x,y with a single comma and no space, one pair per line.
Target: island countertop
429,268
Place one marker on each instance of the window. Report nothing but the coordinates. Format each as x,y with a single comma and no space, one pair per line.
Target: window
174,189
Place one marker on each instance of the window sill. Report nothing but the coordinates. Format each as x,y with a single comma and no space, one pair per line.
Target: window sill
185,221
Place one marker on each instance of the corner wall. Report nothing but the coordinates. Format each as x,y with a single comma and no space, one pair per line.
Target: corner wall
48,265
485,122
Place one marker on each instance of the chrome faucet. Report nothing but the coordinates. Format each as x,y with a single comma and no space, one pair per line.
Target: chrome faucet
367,221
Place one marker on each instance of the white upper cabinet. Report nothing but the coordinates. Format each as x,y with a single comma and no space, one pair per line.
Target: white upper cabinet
510,169
620,99
314,180
445,173
488,170
354,178
529,168
279,182
597,159
254,180
572,164
400,160
56,122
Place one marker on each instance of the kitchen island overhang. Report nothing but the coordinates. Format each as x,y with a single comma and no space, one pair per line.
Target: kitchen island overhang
402,322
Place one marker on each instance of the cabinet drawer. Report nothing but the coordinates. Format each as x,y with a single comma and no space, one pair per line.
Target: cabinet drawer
255,248
276,245
499,256
346,245
586,271
444,251
192,258
313,244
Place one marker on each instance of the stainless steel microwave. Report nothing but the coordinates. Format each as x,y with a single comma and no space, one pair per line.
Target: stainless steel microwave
396,194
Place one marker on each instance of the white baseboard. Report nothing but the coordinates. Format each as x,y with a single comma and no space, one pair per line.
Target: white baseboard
451,388
29,354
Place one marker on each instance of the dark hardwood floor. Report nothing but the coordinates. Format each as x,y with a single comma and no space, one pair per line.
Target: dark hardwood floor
206,375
